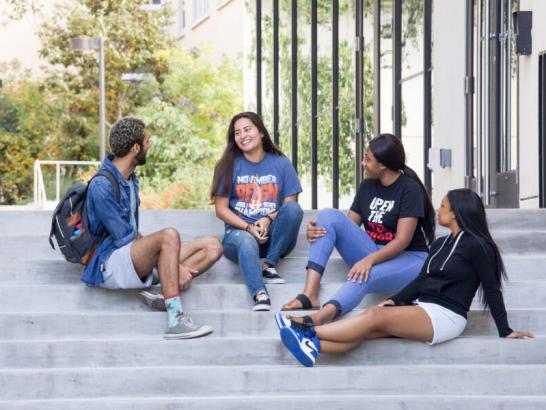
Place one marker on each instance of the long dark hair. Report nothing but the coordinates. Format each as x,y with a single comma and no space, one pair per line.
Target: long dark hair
389,151
470,216
223,171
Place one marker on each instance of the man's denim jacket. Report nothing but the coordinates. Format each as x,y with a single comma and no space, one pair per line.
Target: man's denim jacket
104,212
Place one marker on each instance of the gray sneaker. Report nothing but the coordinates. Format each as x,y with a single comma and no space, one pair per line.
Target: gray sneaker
186,329
154,298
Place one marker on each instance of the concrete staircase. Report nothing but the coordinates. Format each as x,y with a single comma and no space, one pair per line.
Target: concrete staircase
67,346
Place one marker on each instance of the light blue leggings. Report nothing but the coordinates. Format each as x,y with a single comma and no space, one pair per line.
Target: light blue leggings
353,244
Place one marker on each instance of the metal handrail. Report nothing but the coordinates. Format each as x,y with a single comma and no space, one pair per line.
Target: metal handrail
40,196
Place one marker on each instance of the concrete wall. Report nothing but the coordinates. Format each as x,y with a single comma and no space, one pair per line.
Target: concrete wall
219,33
19,39
528,105
448,60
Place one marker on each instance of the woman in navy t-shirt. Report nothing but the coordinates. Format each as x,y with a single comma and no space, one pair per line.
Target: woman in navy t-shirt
398,218
255,191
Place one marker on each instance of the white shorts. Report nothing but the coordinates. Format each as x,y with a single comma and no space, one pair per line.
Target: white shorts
446,324
119,272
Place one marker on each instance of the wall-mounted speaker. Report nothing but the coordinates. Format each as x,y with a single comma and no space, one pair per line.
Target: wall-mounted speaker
523,23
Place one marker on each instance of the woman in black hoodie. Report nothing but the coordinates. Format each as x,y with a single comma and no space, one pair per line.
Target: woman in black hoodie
433,307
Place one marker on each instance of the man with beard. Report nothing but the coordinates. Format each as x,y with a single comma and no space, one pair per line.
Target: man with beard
125,259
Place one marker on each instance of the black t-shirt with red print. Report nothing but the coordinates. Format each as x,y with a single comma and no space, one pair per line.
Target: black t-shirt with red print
380,207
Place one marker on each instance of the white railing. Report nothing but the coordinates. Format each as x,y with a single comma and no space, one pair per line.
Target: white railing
40,195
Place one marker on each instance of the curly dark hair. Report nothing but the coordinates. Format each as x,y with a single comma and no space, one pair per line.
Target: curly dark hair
124,134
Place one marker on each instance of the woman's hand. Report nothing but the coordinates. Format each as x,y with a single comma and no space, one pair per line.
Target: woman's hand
263,225
361,270
520,335
313,232
388,302
257,233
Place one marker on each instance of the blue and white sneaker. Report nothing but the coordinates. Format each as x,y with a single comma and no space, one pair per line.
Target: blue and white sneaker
302,342
281,321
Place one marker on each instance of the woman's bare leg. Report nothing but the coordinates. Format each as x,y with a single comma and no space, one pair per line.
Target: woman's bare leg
311,290
409,322
337,347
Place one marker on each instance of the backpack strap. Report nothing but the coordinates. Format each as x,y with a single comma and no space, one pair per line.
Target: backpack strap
113,180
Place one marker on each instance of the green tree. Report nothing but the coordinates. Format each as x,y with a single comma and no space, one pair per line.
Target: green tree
27,132
135,41
188,115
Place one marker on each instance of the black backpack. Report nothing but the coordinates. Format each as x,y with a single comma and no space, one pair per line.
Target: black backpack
70,225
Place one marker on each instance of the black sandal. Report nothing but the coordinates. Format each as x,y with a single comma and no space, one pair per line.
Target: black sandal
306,303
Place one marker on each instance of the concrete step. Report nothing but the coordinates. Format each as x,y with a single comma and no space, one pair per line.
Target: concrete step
88,325
39,222
132,382
58,271
37,247
250,351
277,401
75,297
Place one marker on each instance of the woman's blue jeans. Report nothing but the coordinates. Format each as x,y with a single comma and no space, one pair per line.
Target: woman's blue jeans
353,244
240,246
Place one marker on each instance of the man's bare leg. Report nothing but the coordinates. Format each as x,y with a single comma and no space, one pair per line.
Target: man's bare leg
200,254
163,249
159,249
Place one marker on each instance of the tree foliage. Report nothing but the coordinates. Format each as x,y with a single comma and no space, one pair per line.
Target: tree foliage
187,102
412,29
134,42
27,132
188,114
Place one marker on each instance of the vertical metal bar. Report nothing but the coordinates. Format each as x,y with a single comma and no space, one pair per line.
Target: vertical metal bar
508,87
487,136
276,71
335,98
259,57
427,90
501,90
377,67
359,94
397,68
35,183
295,84
479,127
314,103
102,102
541,130
469,94
57,182
496,123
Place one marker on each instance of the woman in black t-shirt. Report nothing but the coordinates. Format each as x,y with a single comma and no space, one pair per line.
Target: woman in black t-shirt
388,253
433,307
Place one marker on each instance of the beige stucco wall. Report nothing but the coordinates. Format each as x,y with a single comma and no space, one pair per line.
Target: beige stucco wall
528,104
19,40
220,33
448,92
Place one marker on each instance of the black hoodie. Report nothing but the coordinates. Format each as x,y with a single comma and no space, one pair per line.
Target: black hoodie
451,275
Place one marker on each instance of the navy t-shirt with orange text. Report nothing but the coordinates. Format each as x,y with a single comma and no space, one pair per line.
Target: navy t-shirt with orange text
259,188
380,207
